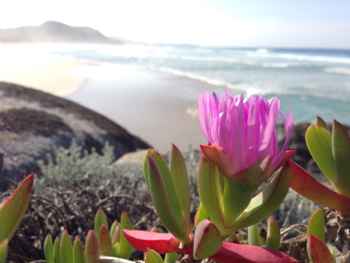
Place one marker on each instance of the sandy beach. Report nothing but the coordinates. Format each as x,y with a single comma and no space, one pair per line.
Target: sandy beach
158,107
27,65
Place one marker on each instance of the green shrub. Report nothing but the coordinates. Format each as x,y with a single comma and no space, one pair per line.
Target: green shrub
66,165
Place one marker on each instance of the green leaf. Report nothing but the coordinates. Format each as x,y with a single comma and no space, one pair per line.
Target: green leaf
106,248
115,249
153,257
210,193
113,227
273,237
253,235
48,249
78,252
100,219
164,171
92,254
322,123
170,257
207,240
57,250
316,225
3,250
124,249
66,250
15,207
262,241
236,198
200,215
319,143
341,155
318,252
179,177
162,203
265,203
116,236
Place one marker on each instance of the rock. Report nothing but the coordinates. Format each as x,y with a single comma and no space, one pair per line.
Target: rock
32,123
132,158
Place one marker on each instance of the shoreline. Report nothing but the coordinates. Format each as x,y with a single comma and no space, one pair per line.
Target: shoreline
28,66
156,106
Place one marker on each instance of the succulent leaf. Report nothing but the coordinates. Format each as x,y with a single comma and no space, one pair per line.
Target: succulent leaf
106,248
163,204
116,236
273,237
15,207
304,184
235,253
236,199
153,257
165,173
322,123
207,240
66,250
3,250
200,215
319,143
100,219
341,155
78,252
57,250
48,249
170,257
253,235
179,177
124,249
318,252
112,229
92,254
161,242
316,225
210,193
266,202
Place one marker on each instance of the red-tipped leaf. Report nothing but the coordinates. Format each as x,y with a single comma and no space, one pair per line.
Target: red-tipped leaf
235,253
304,184
318,252
160,242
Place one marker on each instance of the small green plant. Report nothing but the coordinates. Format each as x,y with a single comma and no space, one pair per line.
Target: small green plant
73,163
12,211
99,242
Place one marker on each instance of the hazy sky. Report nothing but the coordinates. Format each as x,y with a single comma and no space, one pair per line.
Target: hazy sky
258,23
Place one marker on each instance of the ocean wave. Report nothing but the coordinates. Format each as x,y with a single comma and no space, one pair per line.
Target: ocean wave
343,71
298,57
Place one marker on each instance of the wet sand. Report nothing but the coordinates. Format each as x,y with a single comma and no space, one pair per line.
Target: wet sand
156,106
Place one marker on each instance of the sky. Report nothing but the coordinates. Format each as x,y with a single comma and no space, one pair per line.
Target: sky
251,23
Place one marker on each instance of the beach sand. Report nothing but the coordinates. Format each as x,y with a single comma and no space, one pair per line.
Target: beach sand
156,106
25,65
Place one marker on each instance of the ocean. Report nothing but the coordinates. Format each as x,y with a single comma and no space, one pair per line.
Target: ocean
313,82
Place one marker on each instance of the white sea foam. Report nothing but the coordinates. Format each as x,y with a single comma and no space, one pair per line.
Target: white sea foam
344,71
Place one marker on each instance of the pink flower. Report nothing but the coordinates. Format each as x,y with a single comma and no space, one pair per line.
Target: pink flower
242,132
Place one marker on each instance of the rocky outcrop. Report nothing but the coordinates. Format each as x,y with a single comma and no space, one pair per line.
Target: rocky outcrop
32,123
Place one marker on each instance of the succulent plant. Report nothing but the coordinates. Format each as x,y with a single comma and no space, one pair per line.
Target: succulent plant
101,242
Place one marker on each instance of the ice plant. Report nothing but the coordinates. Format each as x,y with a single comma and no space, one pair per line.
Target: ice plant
242,132
242,153
12,211
331,152
104,243
226,184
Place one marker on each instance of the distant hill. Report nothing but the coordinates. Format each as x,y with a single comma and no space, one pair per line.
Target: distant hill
54,32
